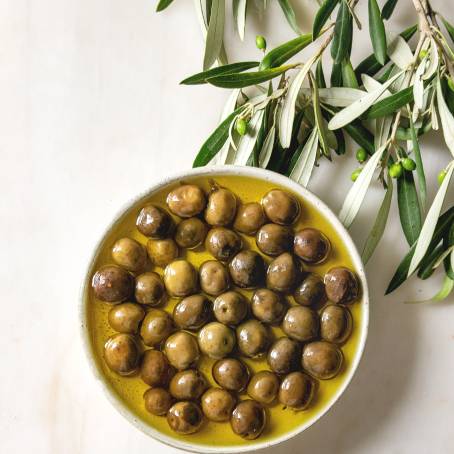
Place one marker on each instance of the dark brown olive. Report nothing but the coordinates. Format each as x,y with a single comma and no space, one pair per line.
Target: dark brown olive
248,419
247,269
297,391
149,289
249,218
230,308
181,278
283,273
162,252
192,312
311,246
156,327
221,207
157,401
263,387
311,291
214,277
217,404
182,350
112,284
185,417
156,370
335,324
268,306
187,385
281,207
253,338
322,360
341,285
154,222
284,356
129,254
126,317
274,239
301,323
186,201
231,374
190,233
122,354
223,243
216,340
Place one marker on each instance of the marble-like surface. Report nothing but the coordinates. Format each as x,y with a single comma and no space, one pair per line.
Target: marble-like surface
91,113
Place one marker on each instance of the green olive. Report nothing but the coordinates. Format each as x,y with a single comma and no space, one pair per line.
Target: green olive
322,360
263,387
150,289
162,252
221,207
247,269
129,254
187,385
341,285
230,308
301,323
253,338
268,306
190,233
156,327
297,391
248,419
311,291
284,356
214,277
181,278
231,374
157,401
156,370
249,218
154,222
283,273
186,201
112,284
182,350
192,312
122,354
311,246
223,243
274,239
281,207
216,340
335,324
126,317
185,417
217,404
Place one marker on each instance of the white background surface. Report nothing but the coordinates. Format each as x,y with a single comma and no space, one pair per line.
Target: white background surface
91,113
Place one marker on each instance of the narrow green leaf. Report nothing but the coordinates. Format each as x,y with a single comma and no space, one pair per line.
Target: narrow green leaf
377,32
320,75
443,224
448,241
419,165
215,141
449,28
361,135
348,75
446,117
391,104
201,78
388,9
443,293
290,15
322,16
240,80
319,122
163,4
341,148
303,161
336,75
426,268
239,15
215,33
279,55
409,211
379,225
343,32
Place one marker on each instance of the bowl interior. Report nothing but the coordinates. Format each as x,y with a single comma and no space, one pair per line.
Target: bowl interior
126,393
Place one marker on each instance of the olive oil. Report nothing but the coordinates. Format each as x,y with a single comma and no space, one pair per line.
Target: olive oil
131,389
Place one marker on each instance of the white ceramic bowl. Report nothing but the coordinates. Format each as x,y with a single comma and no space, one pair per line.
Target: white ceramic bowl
272,177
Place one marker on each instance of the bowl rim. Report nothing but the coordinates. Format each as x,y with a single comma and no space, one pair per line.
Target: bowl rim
213,171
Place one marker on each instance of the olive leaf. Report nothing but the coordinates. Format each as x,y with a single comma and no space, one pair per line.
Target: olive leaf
290,15
391,104
377,32
361,135
357,192
448,242
215,33
428,264
163,4
323,14
388,9
343,32
449,28
419,166
336,75
239,15
319,121
337,96
304,164
446,289
429,224
247,142
232,68
279,55
348,75
320,75
399,51
378,229
267,147
446,117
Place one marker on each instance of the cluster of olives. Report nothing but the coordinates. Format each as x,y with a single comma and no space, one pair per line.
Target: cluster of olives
230,326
